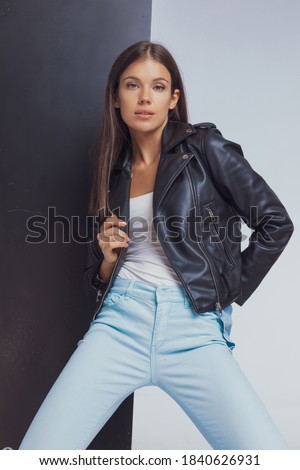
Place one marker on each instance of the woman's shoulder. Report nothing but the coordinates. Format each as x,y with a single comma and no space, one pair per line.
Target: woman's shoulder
179,129
176,132
211,134
188,127
208,137
207,130
204,125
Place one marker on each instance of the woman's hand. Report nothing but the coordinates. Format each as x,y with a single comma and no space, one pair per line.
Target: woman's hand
111,239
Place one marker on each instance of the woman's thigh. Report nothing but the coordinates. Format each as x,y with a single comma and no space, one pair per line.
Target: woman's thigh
109,363
195,365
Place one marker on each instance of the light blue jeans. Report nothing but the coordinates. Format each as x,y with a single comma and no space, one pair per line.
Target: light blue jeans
150,335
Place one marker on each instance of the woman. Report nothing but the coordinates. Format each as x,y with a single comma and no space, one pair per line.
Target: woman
165,266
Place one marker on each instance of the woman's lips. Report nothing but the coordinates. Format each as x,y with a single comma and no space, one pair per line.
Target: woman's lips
144,114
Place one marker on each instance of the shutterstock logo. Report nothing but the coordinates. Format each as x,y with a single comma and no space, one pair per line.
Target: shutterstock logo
55,228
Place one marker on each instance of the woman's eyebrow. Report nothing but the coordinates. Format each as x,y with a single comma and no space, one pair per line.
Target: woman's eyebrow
154,80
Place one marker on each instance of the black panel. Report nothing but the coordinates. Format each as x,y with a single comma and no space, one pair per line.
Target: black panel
55,56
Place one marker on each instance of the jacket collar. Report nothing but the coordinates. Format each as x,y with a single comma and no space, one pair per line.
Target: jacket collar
173,134
168,169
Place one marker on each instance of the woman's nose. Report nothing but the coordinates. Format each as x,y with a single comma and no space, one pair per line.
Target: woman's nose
144,100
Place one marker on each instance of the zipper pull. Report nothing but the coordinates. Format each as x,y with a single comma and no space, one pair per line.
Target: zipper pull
99,294
219,309
211,214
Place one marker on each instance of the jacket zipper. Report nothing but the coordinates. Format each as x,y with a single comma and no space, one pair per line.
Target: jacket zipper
108,285
120,255
112,274
175,269
224,248
177,272
218,304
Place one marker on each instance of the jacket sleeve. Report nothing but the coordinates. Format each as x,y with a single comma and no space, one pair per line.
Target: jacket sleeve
257,205
92,282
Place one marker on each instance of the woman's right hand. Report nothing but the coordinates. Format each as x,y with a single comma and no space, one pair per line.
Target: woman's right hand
111,239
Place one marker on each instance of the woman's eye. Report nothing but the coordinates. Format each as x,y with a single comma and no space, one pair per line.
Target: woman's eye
159,87
131,86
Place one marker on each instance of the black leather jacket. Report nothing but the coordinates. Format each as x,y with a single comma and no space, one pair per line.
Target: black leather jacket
204,188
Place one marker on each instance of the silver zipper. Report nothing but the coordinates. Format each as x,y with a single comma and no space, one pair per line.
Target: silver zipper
99,293
170,260
217,304
175,269
108,286
225,250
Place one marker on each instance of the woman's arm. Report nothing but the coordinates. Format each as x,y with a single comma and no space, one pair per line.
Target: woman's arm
255,202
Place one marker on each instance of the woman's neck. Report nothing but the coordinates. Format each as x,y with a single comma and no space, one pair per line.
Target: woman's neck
146,148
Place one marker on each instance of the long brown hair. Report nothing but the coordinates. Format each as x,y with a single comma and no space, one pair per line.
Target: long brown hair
114,135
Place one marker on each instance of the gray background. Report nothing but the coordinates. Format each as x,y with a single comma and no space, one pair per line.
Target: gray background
240,64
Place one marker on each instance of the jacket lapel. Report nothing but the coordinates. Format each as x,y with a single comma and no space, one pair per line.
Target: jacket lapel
171,163
173,158
169,167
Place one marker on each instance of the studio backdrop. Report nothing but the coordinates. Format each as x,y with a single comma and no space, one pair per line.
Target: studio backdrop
55,57
240,68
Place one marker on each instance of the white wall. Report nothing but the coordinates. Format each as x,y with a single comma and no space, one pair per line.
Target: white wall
240,64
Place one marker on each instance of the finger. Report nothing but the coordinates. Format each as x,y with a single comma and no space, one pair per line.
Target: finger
114,221
112,235
113,245
115,232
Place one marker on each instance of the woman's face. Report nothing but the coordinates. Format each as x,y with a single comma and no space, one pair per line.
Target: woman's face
145,96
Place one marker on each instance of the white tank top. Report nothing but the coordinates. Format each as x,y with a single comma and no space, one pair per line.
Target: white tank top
145,258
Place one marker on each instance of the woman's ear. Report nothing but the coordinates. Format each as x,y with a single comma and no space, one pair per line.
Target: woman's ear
175,98
116,102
